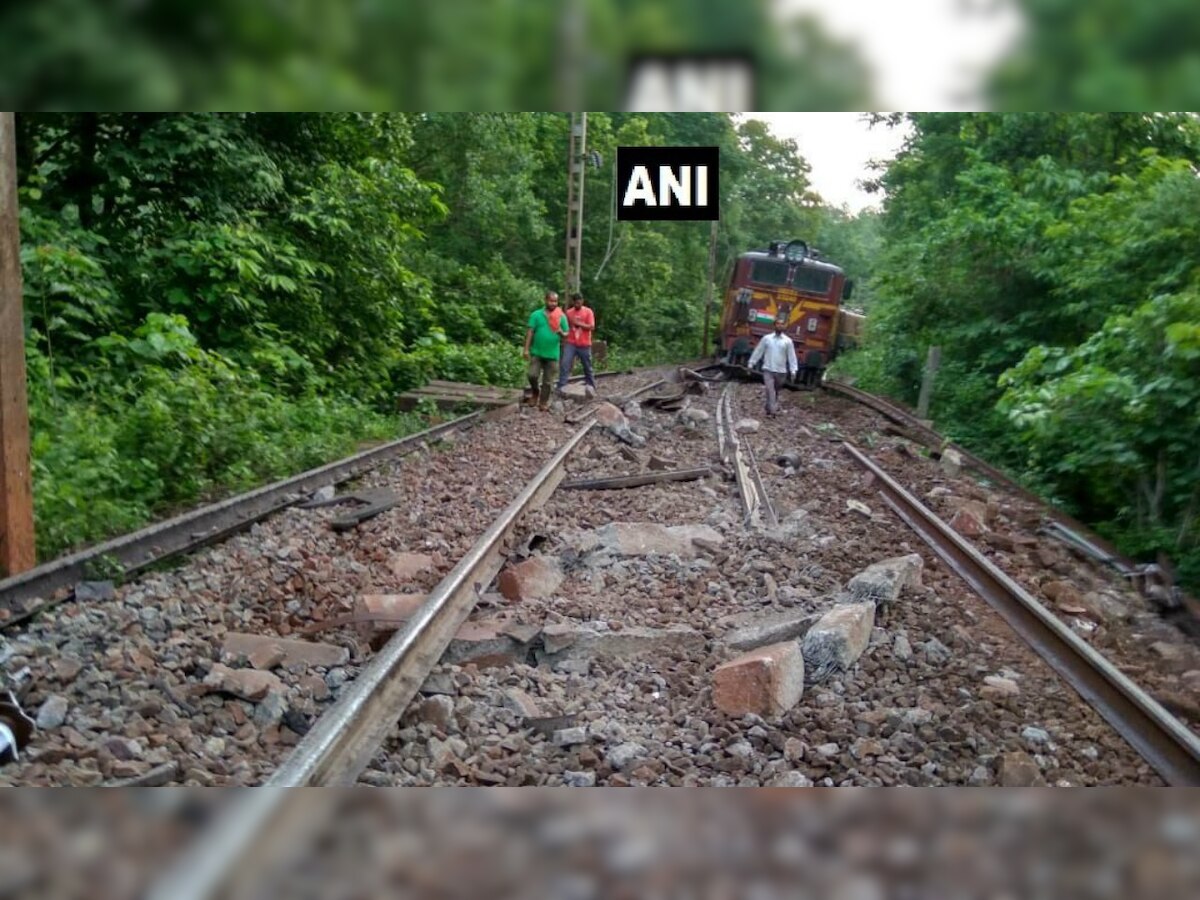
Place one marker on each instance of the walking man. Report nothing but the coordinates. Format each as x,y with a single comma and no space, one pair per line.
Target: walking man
547,327
776,354
582,322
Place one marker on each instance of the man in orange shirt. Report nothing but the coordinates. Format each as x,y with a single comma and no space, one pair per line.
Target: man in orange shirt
582,322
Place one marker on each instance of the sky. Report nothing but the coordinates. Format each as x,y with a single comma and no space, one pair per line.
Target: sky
925,54
838,146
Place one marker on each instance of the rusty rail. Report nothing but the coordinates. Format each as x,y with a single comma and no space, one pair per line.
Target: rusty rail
1166,744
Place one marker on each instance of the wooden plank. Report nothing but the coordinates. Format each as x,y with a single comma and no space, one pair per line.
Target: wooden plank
461,387
17,552
443,401
628,481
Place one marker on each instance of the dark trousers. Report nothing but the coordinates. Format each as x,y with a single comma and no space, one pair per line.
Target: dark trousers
772,381
570,353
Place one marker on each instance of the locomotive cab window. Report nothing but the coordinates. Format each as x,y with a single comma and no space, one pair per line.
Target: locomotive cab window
815,281
765,272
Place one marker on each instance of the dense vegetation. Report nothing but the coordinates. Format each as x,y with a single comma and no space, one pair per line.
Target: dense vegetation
380,54
214,300
1053,257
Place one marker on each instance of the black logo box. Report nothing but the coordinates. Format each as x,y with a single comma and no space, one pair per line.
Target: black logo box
677,158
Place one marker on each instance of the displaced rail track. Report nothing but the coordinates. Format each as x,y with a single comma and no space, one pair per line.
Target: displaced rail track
1159,737
736,453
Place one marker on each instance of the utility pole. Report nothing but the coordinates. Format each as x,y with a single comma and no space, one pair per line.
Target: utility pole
16,485
571,44
712,274
575,169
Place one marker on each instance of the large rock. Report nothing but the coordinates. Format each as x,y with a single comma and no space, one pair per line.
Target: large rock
838,639
258,648
786,627
53,712
572,643
645,538
249,684
407,566
538,576
1174,657
379,615
999,688
486,643
576,391
1017,769
970,519
389,607
951,462
794,526
883,581
1104,607
767,682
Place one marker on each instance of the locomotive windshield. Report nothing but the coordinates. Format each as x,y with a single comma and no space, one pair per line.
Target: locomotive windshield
767,272
814,281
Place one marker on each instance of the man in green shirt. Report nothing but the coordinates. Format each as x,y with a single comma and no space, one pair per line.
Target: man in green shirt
543,339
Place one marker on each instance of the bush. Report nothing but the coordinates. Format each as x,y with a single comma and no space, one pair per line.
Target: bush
160,424
435,357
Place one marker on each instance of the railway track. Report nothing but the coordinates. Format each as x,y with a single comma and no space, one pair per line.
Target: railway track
735,452
23,596
249,840
1059,524
1159,737
336,747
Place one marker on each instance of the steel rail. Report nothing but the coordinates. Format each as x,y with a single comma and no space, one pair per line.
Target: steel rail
889,410
198,527
251,837
935,441
1062,526
345,738
756,506
1165,743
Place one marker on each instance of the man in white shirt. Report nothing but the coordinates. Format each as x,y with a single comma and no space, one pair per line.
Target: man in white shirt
777,356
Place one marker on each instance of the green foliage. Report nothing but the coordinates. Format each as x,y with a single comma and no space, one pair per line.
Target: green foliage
162,424
1052,258
1102,54
435,357
455,55
1115,412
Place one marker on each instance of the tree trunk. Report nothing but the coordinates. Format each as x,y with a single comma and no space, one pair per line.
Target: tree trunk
86,176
